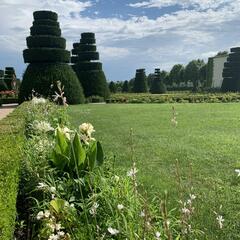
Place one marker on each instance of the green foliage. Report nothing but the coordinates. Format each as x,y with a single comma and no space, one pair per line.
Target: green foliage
11,134
89,73
112,87
47,57
209,73
175,75
125,87
140,82
41,76
46,41
157,86
231,72
71,156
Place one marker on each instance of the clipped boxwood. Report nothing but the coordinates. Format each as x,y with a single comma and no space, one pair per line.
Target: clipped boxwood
41,55
9,69
46,41
87,56
235,50
45,15
45,30
84,48
40,76
88,41
11,134
88,66
88,35
46,22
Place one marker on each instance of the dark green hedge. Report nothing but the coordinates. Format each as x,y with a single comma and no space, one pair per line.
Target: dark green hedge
45,15
46,41
11,141
88,41
88,66
94,83
3,85
84,48
40,77
87,56
46,22
45,30
87,35
232,64
45,55
9,69
1,73
235,50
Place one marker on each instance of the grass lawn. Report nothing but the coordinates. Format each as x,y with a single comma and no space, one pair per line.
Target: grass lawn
207,136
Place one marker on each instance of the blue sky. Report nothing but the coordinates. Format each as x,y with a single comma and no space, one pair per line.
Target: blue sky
130,33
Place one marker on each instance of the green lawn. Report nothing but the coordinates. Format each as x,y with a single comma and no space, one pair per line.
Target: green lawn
207,136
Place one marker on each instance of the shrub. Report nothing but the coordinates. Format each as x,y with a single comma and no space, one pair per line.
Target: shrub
157,86
89,73
140,82
48,61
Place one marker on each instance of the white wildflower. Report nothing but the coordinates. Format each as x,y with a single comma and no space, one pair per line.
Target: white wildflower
220,220
36,100
113,231
42,126
66,131
52,189
58,226
192,196
72,205
61,234
186,210
142,214
120,207
238,172
174,121
40,215
93,210
51,226
41,185
53,237
133,171
47,214
116,178
87,129
158,235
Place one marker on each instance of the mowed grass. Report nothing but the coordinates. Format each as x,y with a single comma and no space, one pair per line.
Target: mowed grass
206,140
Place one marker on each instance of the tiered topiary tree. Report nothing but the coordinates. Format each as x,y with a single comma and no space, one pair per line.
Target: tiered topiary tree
48,61
140,82
3,85
157,86
89,72
125,87
10,78
231,72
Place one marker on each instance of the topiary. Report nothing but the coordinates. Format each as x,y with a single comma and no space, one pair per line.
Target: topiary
231,72
140,82
157,86
9,77
125,87
89,73
48,61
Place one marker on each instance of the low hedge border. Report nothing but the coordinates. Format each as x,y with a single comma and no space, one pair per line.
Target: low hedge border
174,98
11,141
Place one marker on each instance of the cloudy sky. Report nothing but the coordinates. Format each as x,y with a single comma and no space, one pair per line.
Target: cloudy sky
130,33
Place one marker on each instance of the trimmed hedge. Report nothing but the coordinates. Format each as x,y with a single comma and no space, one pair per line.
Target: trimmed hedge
45,30
88,56
44,55
88,41
9,69
45,15
84,48
46,22
88,35
46,41
94,83
11,134
88,66
40,76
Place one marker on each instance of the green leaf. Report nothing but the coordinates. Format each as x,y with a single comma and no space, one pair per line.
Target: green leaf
92,155
62,142
78,152
59,160
100,154
57,205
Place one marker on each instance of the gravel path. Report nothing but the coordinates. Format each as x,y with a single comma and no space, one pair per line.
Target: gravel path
5,109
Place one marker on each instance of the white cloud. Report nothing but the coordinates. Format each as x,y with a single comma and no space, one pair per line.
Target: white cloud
113,52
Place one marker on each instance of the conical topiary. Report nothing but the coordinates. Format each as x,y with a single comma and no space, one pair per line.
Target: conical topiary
157,86
231,72
48,61
3,85
89,72
140,82
10,78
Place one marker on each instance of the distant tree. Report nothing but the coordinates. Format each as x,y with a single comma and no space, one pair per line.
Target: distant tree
140,82
157,86
125,87
203,75
112,87
174,76
150,79
192,72
223,53
130,84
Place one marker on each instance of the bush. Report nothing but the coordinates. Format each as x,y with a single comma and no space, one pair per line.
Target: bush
41,15
140,81
11,134
46,22
45,30
40,76
46,41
